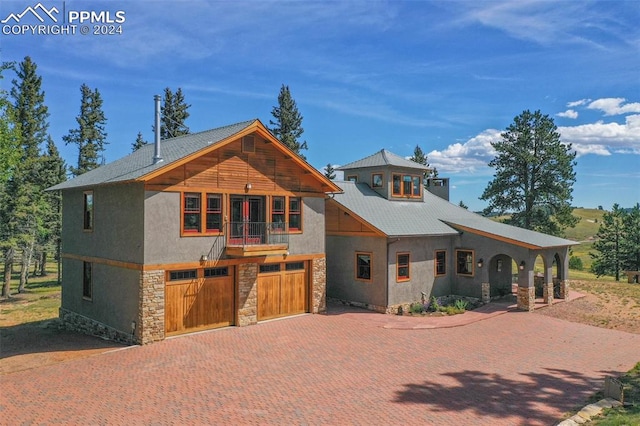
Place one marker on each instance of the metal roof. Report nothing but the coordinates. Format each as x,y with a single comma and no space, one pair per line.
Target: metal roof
433,217
140,162
384,158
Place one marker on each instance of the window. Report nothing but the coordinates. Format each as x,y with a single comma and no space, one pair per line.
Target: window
214,212
295,214
201,213
441,262
277,213
191,212
216,272
406,185
88,211
183,275
376,180
352,178
273,267
294,266
363,266
464,262
87,281
402,267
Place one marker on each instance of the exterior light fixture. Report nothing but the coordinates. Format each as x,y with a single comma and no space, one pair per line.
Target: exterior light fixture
480,263
522,265
248,186
204,258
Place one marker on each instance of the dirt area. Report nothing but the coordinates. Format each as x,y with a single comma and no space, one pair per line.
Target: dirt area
41,342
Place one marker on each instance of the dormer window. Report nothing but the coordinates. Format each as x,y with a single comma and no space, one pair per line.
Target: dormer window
406,185
376,180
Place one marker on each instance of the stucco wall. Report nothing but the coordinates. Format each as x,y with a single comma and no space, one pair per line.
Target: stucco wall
117,225
115,294
341,258
422,269
312,239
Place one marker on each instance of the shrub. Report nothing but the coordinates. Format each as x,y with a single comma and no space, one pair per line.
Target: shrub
461,305
575,263
416,308
434,306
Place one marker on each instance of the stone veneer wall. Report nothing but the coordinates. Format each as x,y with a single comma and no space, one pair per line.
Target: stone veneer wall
81,324
564,289
526,298
247,294
547,293
319,285
150,327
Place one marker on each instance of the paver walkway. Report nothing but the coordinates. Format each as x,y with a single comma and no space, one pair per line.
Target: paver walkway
342,368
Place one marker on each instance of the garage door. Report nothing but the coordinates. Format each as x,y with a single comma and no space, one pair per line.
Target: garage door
199,299
282,290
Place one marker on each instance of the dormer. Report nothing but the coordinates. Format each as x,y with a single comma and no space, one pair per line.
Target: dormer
393,177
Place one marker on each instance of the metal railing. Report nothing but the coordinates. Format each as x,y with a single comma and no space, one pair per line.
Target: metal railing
257,233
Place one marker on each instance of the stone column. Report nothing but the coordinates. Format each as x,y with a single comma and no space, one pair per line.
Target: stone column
547,292
150,327
486,292
526,298
564,289
247,294
319,285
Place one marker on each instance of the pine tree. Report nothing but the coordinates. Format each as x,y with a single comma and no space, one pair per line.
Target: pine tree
90,136
139,143
329,172
421,158
173,115
288,122
630,246
608,244
24,207
534,176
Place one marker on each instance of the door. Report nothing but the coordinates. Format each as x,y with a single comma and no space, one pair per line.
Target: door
247,220
282,290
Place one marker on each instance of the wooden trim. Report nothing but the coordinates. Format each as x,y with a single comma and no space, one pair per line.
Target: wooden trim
402,194
381,174
435,263
408,277
370,254
185,188
103,261
351,234
233,262
496,237
203,214
473,263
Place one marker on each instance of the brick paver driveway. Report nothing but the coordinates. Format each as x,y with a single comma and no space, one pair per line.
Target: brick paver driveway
341,368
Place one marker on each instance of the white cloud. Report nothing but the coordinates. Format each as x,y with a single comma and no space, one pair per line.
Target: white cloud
568,114
601,138
614,106
471,156
578,103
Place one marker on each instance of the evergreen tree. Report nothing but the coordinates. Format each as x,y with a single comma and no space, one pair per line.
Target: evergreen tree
329,172
421,158
173,115
463,205
287,126
90,136
534,176
630,247
10,140
608,244
139,143
23,206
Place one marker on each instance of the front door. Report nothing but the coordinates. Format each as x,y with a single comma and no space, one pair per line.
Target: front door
247,220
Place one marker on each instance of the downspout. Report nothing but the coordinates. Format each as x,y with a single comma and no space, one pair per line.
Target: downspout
157,158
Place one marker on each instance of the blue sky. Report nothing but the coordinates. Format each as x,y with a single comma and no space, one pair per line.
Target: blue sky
448,76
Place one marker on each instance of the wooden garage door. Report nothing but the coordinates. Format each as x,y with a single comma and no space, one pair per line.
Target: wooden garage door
199,299
282,290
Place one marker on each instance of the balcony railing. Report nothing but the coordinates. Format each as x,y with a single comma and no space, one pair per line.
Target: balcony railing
244,234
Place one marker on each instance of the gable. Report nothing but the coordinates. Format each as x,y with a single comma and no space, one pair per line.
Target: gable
231,166
339,221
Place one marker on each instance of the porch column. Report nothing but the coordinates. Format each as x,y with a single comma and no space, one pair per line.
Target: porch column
150,327
564,289
548,293
547,286
319,285
247,294
526,289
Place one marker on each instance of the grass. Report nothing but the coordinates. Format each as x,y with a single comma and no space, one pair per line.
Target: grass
40,300
628,414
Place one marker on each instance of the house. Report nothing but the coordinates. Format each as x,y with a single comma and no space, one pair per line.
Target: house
392,241
223,227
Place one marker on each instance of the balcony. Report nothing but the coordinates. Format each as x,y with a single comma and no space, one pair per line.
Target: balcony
246,239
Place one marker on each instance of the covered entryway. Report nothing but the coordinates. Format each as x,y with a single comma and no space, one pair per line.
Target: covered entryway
199,299
283,289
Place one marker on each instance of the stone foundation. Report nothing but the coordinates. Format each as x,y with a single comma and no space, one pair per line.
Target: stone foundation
319,285
81,324
486,293
547,293
150,327
247,307
564,289
526,298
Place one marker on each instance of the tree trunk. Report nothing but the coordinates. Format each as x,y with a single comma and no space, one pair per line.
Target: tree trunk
36,265
27,253
8,262
43,264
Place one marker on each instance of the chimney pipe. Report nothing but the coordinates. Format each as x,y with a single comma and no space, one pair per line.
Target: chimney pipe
157,158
